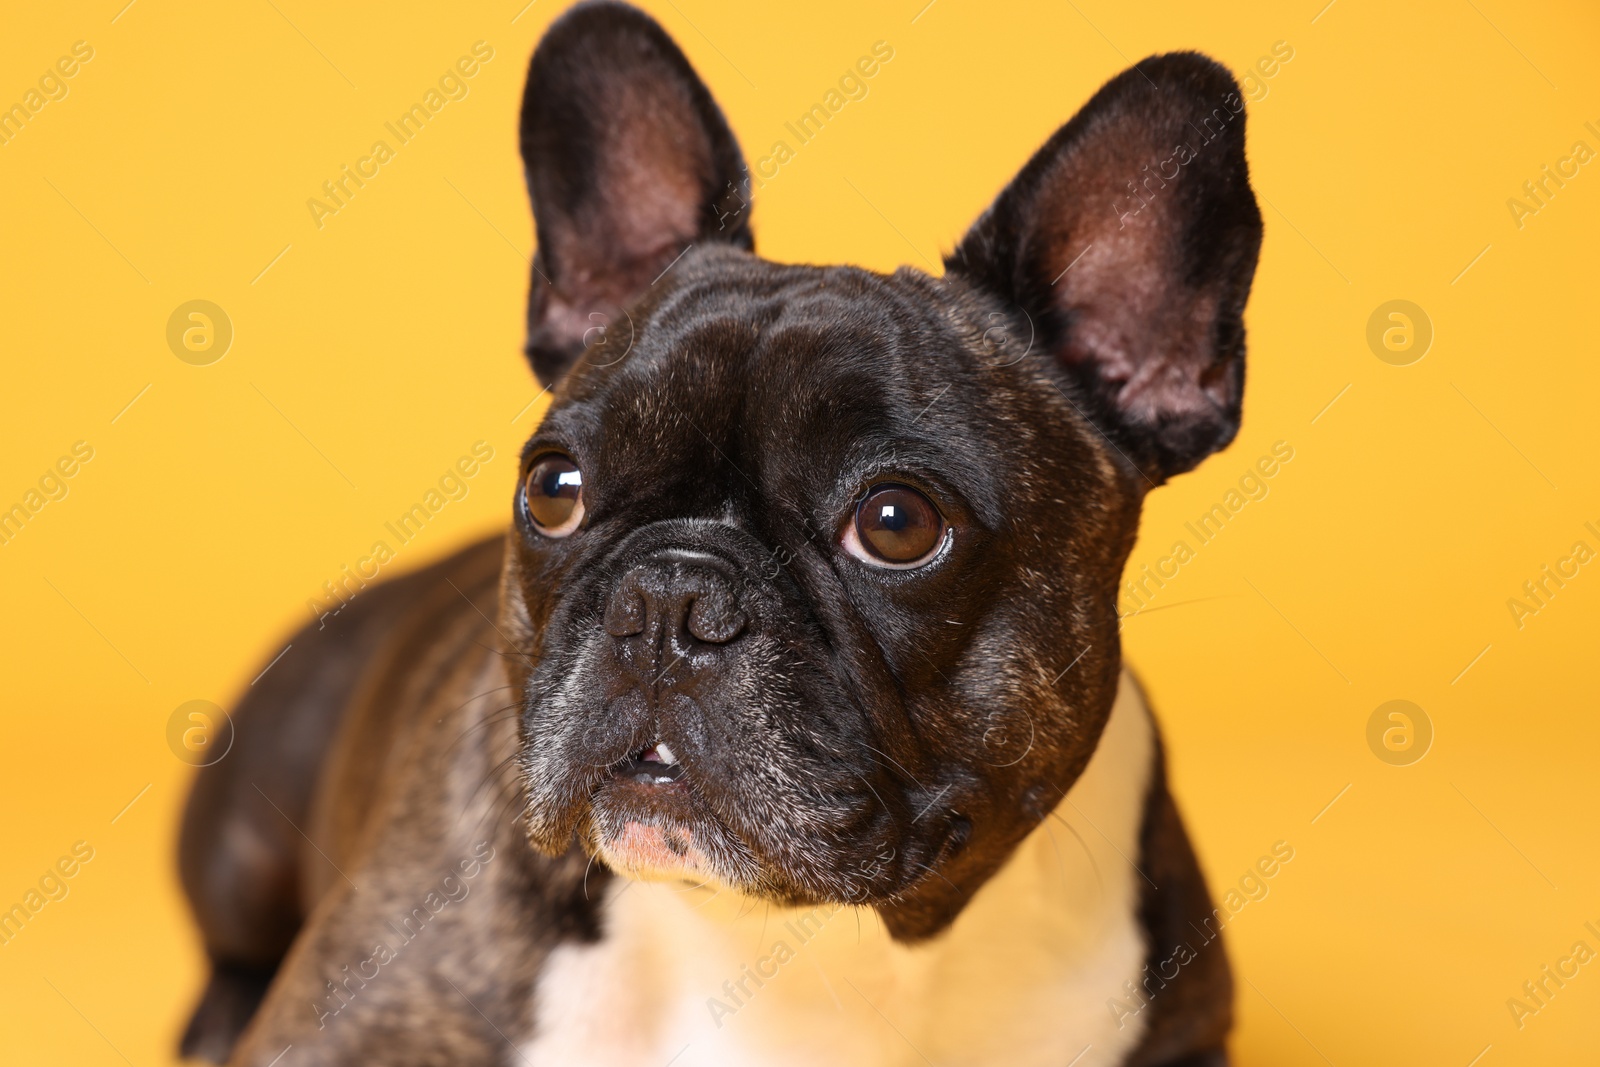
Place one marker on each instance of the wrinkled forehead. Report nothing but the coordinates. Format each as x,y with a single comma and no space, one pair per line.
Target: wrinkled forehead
736,326
738,360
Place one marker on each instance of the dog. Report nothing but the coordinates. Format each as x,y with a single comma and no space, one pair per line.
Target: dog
787,724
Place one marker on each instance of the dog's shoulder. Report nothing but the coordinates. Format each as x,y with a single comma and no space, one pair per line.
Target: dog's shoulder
268,825
297,710
437,632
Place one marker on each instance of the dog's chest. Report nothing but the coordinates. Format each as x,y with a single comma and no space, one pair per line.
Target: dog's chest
690,978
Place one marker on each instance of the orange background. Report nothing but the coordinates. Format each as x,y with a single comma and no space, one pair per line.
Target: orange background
370,353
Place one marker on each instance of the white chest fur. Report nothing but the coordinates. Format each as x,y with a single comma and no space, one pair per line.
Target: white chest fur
691,978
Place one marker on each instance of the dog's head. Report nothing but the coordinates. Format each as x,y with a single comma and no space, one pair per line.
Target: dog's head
814,570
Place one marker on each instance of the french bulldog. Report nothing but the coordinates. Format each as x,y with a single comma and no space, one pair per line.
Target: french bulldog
787,723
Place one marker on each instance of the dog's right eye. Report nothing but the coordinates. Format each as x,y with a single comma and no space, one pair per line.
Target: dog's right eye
553,495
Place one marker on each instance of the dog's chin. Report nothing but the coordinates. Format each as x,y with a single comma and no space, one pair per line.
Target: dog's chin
651,853
647,817
667,833
661,833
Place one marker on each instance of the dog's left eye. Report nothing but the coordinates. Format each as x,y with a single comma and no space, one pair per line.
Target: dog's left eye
895,526
553,494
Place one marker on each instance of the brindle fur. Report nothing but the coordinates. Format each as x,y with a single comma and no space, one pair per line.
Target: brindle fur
432,720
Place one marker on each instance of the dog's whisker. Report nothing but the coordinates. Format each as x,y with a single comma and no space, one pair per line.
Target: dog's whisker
586,868
508,713
913,778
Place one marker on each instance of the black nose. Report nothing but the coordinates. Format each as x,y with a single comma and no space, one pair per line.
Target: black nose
670,603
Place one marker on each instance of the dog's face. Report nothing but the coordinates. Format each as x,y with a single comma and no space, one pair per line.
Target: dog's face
814,570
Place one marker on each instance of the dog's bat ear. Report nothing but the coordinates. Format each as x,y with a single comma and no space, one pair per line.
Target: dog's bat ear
1131,239
628,162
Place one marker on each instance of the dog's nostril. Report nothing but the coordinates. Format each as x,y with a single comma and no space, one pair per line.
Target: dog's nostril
674,599
714,619
625,613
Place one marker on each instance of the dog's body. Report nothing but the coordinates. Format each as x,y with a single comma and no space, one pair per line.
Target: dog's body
788,723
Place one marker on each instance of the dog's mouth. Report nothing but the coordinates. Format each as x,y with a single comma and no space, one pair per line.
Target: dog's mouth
649,822
655,766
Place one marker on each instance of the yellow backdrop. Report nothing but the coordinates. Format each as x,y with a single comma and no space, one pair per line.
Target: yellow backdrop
1436,154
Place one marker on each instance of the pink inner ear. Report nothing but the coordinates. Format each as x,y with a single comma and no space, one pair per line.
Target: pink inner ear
1149,336
1117,261
654,173
628,161
1133,232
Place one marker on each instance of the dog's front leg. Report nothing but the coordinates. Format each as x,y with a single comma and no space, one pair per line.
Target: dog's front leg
426,948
